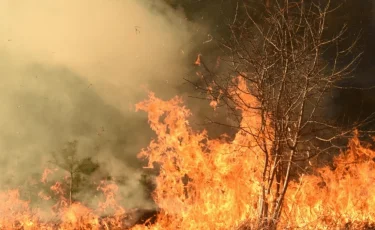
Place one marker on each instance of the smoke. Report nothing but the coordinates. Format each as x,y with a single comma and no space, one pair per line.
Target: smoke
71,70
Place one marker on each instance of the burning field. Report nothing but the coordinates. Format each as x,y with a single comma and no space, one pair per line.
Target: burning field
283,157
210,184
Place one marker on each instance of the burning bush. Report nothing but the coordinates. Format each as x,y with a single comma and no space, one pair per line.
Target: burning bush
216,184
208,183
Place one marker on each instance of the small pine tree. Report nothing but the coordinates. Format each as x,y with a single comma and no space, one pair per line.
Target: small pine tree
67,159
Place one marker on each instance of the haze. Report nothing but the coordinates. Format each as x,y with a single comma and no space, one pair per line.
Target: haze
71,70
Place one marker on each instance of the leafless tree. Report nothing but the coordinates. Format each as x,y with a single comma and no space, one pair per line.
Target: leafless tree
291,64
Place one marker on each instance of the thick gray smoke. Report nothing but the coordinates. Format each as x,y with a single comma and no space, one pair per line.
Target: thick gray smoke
72,70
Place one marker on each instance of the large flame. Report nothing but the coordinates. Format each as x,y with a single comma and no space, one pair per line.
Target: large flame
216,183
203,183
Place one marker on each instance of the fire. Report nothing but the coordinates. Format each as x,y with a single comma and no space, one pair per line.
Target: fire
203,183
214,183
198,61
334,197
17,214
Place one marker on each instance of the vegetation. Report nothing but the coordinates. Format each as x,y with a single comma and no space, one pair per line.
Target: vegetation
280,63
282,56
78,169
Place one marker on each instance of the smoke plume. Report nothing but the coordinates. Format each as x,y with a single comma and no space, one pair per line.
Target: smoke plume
71,70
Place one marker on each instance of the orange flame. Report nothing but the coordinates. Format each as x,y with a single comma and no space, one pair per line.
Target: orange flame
198,61
215,183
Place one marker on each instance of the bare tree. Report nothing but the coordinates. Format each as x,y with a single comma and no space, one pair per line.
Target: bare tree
283,59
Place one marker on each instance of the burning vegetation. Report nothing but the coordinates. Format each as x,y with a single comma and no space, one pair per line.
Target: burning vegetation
213,184
264,176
